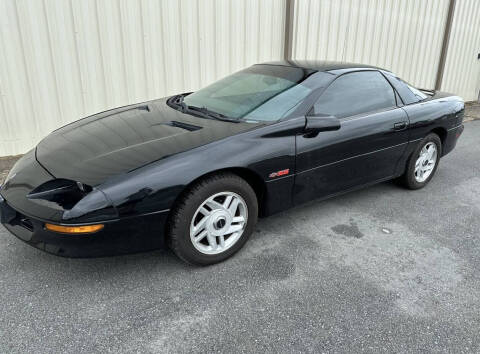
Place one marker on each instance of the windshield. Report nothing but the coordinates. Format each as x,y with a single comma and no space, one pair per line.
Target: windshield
259,93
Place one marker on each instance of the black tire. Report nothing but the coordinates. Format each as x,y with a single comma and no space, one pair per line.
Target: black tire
408,179
178,228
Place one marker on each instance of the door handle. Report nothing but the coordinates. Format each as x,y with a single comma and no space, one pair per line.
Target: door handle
400,126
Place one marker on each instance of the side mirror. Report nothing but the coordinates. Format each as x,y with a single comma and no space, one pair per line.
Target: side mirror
321,123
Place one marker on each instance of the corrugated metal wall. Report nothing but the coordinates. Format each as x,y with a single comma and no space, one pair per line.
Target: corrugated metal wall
404,36
61,60
64,59
462,68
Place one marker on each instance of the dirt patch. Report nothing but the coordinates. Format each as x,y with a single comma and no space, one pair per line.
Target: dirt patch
6,164
351,230
472,111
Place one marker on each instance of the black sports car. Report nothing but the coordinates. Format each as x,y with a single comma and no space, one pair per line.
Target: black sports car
197,169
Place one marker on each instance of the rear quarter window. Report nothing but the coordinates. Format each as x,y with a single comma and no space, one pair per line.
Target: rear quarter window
403,89
419,94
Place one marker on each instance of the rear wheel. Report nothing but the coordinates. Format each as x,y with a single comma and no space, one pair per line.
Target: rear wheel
213,219
423,162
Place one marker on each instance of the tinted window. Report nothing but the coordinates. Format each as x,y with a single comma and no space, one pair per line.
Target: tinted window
419,94
356,93
402,88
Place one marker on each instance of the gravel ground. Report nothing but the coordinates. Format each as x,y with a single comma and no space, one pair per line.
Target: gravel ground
383,269
472,111
6,164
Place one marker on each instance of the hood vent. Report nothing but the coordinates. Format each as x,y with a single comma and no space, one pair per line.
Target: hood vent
186,126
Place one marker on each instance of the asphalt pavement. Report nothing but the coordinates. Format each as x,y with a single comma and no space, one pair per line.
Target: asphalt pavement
383,269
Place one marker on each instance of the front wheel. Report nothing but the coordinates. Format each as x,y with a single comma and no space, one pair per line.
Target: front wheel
213,219
423,162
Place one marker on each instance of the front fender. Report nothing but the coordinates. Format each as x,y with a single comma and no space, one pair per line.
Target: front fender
155,187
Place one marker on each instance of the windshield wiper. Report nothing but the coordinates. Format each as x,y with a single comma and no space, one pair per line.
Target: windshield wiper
202,111
210,114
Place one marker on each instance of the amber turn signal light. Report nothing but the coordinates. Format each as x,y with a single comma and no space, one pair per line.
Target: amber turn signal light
85,229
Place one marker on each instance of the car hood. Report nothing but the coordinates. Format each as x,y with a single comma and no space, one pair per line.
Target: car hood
120,140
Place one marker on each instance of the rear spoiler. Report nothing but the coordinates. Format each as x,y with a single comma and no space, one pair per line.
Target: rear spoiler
428,92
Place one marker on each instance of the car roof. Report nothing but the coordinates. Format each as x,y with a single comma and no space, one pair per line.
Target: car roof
322,65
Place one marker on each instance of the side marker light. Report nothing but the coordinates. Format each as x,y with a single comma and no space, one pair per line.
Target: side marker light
85,229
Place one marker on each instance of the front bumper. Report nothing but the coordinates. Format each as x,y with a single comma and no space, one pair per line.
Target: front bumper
122,236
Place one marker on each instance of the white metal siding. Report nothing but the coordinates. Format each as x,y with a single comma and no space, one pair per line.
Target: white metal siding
61,60
462,68
404,36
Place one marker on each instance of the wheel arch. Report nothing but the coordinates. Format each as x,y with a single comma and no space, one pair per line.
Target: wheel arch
441,132
251,177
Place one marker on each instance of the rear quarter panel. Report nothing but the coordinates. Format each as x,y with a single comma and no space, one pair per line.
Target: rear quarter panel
442,114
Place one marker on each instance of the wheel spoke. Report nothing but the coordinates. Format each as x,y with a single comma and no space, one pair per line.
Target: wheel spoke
204,211
201,236
222,241
233,207
238,219
431,152
212,241
417,165
200,225
214,205
234,228
227,201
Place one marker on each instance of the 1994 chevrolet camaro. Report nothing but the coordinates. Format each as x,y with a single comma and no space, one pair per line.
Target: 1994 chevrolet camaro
197,169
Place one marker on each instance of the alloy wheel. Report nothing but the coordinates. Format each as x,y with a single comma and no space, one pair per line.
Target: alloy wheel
218,223
426,161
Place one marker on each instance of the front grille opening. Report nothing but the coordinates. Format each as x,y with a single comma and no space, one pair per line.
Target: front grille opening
26,223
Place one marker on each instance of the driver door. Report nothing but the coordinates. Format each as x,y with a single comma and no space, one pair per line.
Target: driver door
372,138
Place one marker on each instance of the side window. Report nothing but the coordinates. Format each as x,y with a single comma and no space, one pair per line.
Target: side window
356,93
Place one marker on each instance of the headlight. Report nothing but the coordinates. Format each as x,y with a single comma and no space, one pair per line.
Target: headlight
79,202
